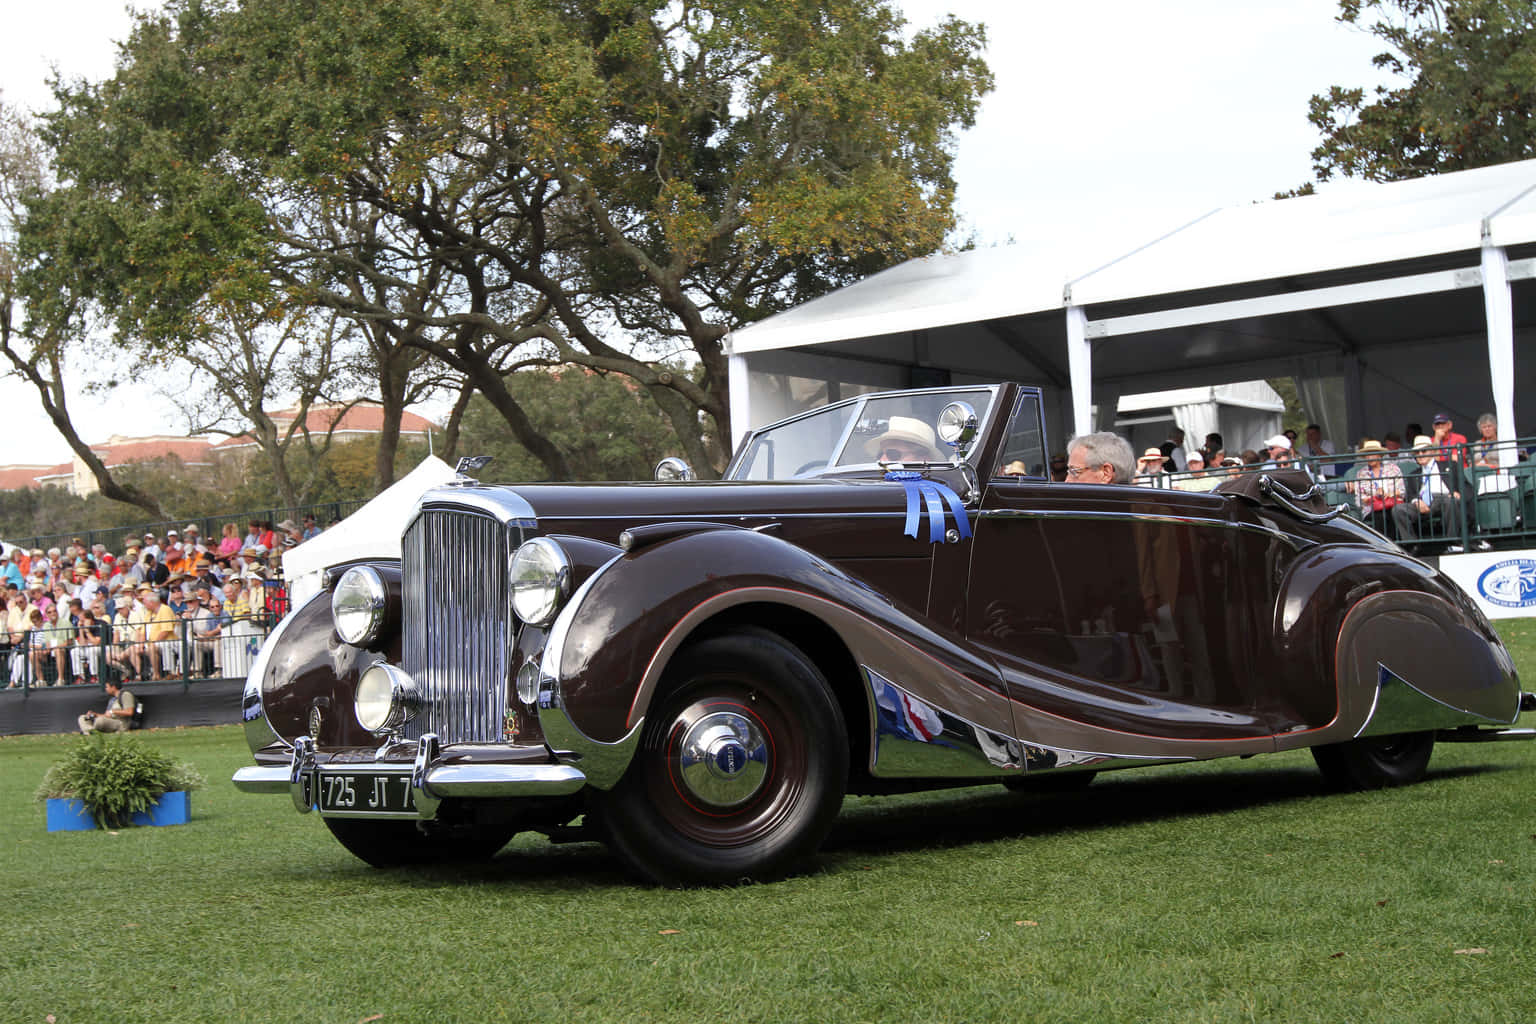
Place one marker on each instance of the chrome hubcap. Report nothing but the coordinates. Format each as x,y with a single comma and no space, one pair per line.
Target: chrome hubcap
723,759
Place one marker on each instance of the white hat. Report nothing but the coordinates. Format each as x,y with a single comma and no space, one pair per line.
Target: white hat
904,428
1278,441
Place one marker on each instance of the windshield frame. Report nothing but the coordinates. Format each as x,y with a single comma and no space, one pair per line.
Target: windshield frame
856,404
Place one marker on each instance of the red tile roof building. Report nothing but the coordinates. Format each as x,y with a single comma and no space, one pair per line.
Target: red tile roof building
359,421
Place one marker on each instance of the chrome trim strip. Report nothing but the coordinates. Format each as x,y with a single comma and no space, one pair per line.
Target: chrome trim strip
258,731
482,780
1483,735
447,780
257,778
602,763
1135,517
504,505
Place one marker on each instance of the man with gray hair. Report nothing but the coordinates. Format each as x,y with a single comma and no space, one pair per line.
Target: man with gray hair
1102,458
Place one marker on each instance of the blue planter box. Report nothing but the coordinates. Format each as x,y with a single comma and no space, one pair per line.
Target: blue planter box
71,815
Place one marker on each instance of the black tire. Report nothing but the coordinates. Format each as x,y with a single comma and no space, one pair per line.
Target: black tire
393,844
1376,762
1049,782
767,777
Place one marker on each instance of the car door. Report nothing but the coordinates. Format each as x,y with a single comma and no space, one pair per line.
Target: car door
1120,607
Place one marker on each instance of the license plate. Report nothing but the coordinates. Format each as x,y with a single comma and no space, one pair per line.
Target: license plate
364,794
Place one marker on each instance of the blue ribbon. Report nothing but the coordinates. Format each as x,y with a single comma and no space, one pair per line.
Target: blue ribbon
933,495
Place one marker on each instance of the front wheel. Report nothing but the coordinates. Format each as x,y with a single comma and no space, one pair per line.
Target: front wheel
740,770
392,844
1375,762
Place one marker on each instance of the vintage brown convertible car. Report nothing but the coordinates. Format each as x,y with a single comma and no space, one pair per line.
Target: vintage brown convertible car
698,671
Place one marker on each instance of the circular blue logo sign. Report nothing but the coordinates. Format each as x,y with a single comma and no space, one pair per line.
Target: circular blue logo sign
1510,583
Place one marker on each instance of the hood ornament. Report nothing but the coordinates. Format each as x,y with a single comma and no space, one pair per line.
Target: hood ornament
468,466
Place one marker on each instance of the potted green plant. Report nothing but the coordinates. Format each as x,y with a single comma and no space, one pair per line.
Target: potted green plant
113,781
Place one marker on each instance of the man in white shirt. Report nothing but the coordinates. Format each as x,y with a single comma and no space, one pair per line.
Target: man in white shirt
1433,496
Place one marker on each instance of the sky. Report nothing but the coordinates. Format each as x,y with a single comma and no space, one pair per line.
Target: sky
1112,123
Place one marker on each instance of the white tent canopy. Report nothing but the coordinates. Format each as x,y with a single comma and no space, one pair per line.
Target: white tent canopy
373,531
1398,299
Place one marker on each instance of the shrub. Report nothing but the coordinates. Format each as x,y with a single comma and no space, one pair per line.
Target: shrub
115,777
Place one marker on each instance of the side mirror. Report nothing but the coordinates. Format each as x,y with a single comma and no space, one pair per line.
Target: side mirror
957,428
673,469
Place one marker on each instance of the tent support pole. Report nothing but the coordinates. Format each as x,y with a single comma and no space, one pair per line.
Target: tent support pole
1080,370
741,411
1498,308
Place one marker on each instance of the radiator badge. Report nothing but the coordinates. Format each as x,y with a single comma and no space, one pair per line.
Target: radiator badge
314,722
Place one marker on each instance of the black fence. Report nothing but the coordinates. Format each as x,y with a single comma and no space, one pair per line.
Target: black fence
1439,500
189,652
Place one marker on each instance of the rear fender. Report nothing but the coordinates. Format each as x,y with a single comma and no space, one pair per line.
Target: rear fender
1405,649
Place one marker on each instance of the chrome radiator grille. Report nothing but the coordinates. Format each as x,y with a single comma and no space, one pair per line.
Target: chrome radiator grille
458,627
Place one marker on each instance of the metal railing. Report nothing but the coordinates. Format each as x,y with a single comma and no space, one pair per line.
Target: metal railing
1485,493
195,649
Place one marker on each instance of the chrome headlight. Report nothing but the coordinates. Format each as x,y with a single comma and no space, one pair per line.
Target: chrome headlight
386,698
357,605
541,581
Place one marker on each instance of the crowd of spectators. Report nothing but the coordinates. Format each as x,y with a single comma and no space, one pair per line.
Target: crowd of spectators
1407,493
160,606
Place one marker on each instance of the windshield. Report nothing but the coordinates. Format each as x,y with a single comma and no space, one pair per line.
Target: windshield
862,432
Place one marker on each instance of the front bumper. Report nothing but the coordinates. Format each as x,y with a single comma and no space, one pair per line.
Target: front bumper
431,781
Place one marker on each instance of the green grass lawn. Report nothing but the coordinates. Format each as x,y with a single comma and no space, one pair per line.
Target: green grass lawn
1228,891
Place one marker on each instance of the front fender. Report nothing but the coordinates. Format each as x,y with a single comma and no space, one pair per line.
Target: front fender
611,644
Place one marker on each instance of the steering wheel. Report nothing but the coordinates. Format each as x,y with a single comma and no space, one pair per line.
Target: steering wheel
813,464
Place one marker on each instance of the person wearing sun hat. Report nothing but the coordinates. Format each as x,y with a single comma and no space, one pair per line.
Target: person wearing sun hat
906,439
1150,470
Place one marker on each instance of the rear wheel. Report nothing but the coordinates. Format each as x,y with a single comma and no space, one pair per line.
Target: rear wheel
1375,762
392,844
740,770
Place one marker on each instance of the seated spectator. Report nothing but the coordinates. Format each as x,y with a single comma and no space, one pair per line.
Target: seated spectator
192,540
90,639
312,529
291,534
1275,449
125,636
1150,471
1173,451
38,647
118,716
161,636
1212,450
1445,437
1198,480
230,544
1430,495
1378,484
1315,446
1495,457
206,630
9,571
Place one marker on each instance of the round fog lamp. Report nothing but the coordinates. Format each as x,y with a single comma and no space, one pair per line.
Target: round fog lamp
541,581
386,698
357,605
